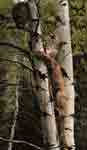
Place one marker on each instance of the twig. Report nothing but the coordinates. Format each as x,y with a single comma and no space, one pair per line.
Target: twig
15,118
5,44
21,142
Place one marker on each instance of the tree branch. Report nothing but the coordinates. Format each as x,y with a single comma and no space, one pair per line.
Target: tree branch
21,142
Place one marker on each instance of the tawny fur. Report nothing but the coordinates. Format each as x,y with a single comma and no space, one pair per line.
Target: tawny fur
56,82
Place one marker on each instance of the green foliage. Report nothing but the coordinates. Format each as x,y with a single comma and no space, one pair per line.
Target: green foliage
4,4
7,99
48,12
78,22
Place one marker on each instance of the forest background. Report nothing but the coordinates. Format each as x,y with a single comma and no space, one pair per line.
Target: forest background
78,22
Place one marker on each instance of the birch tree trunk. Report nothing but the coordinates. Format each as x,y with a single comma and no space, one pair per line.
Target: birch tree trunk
62,33
50,137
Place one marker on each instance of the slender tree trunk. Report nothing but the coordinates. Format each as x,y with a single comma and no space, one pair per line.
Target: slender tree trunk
50,137
17,57
62,33
13,76
14,121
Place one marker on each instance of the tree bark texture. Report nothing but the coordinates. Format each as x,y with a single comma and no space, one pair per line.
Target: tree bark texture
64,57
50,136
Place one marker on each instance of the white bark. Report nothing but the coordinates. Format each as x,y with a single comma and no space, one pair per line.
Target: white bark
62,33
17,1
50,136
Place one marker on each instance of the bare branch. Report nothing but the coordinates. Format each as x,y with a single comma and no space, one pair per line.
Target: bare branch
16,62
5,44
20,142
15,118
